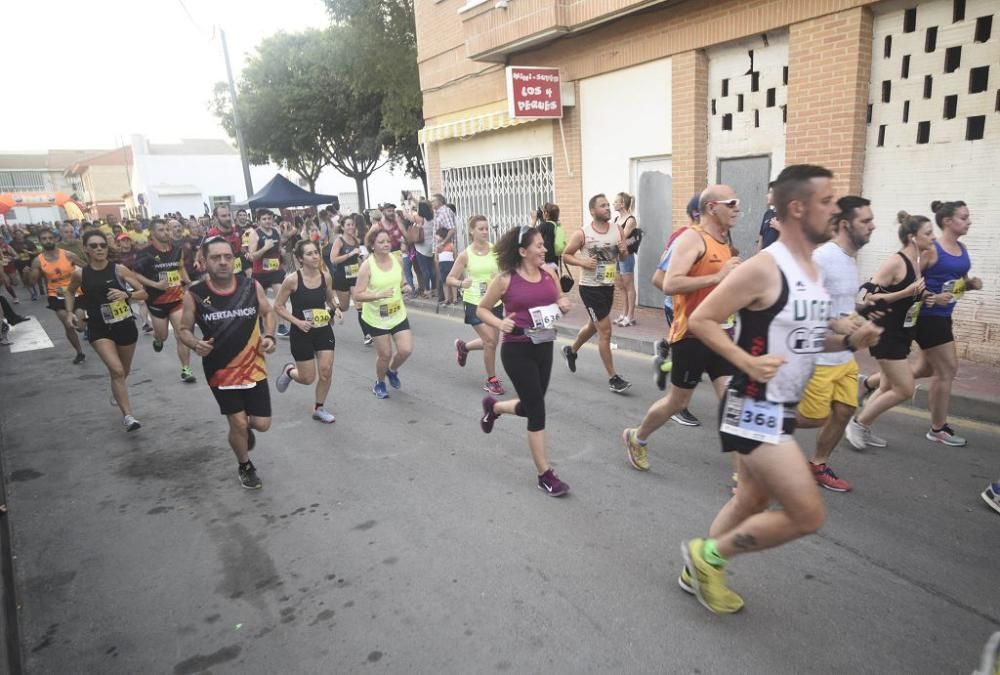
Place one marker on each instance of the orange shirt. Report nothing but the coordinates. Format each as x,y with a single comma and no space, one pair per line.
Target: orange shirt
57,273
715,257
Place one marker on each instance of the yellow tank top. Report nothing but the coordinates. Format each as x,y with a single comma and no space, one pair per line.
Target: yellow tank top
716,255
385,313
480,269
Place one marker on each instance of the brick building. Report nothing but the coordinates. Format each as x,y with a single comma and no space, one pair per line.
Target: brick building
661,97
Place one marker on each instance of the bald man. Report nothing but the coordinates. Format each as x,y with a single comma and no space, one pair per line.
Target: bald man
701,259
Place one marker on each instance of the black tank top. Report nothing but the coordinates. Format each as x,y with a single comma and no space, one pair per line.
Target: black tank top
896,317
95,285
308,298
340,271
236,359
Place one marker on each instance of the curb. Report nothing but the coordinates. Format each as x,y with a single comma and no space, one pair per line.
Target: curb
968,407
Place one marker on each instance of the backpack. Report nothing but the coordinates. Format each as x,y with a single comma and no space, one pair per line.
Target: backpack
632,243
559,239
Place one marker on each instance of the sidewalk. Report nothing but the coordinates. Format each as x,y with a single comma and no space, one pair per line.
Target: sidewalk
975,393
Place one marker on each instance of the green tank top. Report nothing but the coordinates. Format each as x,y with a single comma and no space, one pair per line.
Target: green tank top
480,269
386,313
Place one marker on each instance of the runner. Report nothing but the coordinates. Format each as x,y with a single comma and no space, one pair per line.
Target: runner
229,309
699,261
380,280
626,221
602,244
533,302
900,286
107,289
160,268
264,248
68,241
831,396
478,265
346,256
311,337
784,316
8,269
56,266
26,252
222,226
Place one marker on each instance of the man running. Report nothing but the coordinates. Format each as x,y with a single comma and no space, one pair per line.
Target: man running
784,323
831,397
160,268
700,260
57,265
228,309
602,244
264,248
68,241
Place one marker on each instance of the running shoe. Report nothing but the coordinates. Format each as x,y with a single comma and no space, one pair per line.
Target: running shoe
684,580
489,417
146,328
285,379
856,434
248,477
618,384
16,319
661,368
709,582
989,662
187,375
875,441
79,358
685,418
157,345
461,353
251,440
661,348
323,415
947,436
130,423
570,357
380,391
991,495
4,330
550,482
393,376
283,331
494,387
825,477
635,450
367,341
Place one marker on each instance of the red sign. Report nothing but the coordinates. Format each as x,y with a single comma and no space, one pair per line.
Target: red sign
533,92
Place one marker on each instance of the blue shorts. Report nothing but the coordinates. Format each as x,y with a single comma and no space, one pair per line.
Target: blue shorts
473,320
626,265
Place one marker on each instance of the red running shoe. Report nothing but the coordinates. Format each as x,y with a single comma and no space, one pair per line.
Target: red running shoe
461,352
825,477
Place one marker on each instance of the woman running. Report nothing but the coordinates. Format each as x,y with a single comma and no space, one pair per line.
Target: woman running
478,264
346,256
107,290
380,282
626,266
533,302
311,337
898,285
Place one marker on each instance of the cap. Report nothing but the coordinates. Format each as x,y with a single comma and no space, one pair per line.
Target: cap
121,236
387,205
693,207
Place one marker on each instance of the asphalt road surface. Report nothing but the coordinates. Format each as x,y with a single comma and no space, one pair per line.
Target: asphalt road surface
402,539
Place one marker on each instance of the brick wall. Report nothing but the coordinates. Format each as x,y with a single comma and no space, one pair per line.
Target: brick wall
689,129
568,186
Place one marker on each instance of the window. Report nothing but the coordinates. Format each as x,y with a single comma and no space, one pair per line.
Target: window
928,86
756,114
952,59
881,135
784,114
887,47
784,75
951,107
727,122
725,87
713,106
905,70
771,94
930,40
886,91
739,103
923,133
906,112
755,81
958,11
910,20
22,181
975,128
868,117
984,28
979,79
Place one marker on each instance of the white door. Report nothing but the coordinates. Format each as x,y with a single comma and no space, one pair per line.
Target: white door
652,187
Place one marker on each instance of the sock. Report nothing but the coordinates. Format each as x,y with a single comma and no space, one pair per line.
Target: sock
711,554
318,406
246,463
491,379
639,440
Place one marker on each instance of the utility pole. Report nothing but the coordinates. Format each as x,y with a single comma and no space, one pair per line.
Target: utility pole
236,117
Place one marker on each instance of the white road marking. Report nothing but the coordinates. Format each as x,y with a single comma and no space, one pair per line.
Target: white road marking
29,336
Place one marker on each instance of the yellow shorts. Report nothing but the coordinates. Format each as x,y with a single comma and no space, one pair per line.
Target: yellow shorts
829,384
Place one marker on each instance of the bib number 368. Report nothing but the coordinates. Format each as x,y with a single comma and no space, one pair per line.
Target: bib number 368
749,418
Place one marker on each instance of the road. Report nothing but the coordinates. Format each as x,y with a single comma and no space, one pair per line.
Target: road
402,539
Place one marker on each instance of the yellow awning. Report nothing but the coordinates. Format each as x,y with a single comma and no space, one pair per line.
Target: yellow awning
469,122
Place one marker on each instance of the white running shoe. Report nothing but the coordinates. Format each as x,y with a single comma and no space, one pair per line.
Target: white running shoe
130,423
857,435
947,436
323,415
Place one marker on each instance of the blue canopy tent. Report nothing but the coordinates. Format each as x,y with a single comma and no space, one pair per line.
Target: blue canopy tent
281,193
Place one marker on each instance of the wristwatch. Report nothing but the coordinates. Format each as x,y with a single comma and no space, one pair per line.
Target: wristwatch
847,344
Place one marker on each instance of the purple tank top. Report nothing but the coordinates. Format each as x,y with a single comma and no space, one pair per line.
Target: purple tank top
522,295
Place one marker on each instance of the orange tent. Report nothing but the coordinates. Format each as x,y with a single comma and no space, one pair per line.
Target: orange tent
9,200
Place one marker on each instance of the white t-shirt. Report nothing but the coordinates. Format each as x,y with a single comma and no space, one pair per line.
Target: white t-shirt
840,278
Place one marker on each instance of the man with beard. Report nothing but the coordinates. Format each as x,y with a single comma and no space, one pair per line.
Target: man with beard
57,266
68,241
831,397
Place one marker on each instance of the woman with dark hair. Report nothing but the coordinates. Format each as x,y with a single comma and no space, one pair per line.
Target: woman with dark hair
107,290
899,287
346,255
532,302
424,218
311,336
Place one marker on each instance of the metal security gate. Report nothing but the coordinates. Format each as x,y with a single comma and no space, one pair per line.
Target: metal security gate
507,193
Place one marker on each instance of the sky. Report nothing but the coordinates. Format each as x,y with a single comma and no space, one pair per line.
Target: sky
96,71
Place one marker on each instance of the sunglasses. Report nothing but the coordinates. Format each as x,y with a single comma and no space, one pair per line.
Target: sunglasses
98,245
729,203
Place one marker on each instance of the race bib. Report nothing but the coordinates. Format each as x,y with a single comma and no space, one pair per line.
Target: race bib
61,293
543,323
956,287
482,288
351,271
237,265
911,315
171,277
748,418
387,309
271,264
606,273
115,311
317,317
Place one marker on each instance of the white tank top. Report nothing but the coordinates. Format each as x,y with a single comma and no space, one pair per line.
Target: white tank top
604,247
795,328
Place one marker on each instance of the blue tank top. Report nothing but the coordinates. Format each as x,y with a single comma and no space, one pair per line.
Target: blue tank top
947,268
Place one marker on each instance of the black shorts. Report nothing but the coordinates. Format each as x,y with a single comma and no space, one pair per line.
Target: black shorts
305,345
123,333
268,279
892,346
597,300
343,284
21,265
933,331
57,304
398,328
163,311
473,320
745,446
691,359
255,401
